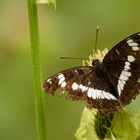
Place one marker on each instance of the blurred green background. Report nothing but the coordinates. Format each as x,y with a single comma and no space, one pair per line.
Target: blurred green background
68,31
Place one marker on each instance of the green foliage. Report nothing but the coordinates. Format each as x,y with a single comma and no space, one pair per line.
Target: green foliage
125,126
86,130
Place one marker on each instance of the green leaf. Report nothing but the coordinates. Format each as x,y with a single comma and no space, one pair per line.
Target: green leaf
134,106
125,126
86,129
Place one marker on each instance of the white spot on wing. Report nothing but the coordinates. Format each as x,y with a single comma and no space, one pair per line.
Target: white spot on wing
61,80
129,41
83,88
119,90
102,96
117,52
135,48
63,84
94,94
123,77
107,95
74,86
90,92
111,96
130,58
133,44
60,76
127,65
121,85
99,94
49,81
122,81
126,73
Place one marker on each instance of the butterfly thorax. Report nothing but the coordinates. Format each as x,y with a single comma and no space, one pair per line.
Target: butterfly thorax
102,72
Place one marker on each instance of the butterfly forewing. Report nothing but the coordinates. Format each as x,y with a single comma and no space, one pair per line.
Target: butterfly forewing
123,65
61,79
128,46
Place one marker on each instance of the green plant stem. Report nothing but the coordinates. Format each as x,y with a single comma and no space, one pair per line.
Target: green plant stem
37,78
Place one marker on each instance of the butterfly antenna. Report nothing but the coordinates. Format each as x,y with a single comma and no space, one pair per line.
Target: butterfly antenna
96,41
62,57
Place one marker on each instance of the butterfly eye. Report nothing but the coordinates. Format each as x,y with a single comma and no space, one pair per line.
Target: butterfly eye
95,62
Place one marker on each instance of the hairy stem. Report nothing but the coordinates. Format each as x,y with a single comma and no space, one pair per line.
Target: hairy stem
36,66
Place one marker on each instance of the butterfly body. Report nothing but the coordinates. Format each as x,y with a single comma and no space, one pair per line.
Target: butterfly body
102,72
107,85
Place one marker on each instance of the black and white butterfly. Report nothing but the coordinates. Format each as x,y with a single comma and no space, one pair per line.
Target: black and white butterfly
106,86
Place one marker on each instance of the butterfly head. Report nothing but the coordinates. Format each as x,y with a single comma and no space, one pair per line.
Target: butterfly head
95,62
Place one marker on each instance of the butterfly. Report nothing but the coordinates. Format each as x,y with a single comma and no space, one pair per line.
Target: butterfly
108,85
